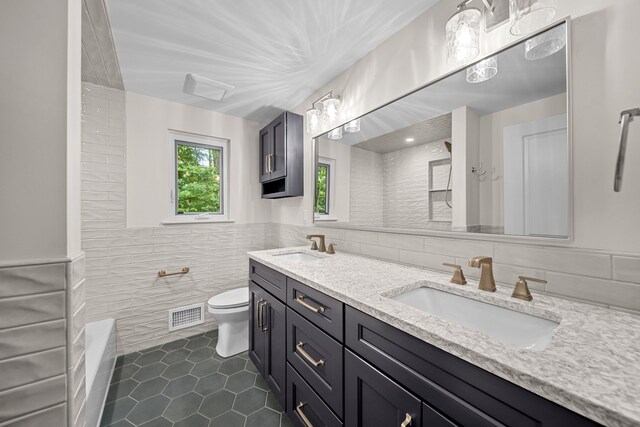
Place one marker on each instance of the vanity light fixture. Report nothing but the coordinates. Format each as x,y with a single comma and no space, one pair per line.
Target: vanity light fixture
483,70
528,16
324,111
546,44
463,35
353,126
335,134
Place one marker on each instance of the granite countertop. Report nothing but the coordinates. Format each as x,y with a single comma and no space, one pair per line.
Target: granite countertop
591,366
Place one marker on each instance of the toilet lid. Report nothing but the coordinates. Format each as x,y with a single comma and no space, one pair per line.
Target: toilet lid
230,299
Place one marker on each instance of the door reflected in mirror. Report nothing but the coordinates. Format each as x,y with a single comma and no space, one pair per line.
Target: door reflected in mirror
482,150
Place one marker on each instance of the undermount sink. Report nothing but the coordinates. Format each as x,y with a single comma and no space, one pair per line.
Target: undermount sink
513,327
297,256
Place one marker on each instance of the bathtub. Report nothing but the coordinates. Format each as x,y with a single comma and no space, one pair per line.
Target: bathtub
100,359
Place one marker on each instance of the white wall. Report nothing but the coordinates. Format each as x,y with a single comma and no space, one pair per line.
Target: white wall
605,60
148,121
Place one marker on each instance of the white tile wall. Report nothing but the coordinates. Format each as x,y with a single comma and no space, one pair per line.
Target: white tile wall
611,280
76,395
365,201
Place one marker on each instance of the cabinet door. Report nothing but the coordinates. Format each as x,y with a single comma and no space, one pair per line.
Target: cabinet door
257,337
266,150
373,400
276,347
279,135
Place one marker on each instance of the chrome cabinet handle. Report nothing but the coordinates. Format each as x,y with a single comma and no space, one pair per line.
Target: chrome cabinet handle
626,117
265,325
259,313
266,163
307,356
302,416
300,300
406,422
270,162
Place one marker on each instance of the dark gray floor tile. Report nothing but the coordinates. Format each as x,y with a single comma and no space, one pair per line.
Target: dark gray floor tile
261,384
229,419
213,334
250,401
265,417
121,389
285,421
217,404
251,367
174,345
122,423
180,386
272,402
116,411
124,372
176,356
149,388
200,354
157,422
178,370
196,343
206,367
150,371
240,381
127,359
151,357
149,409
183,407
244,355
150,349
196,420
211,384
232,365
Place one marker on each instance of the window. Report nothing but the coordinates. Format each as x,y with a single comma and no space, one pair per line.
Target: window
199,186
325,173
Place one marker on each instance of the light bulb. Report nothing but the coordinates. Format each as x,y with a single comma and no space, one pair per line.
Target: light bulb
331,110
313,120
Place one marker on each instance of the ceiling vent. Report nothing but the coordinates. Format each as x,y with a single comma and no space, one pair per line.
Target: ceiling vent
206,88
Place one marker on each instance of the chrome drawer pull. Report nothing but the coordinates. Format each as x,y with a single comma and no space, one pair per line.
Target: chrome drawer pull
406,422
300,300
302,416
307,356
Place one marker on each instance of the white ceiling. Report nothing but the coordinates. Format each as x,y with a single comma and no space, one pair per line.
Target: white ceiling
276,53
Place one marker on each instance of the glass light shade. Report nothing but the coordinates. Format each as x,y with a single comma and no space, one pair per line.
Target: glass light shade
546,44
331,110
528,16
313,120
335,134
463,36
353,126
483,70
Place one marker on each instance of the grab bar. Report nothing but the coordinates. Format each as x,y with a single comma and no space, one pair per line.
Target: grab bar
163,273
626,117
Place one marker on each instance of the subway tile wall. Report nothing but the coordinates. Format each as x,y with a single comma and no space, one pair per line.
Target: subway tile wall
33,351
596,277
76,378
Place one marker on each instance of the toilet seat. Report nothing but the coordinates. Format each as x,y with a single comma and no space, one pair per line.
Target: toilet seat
230,299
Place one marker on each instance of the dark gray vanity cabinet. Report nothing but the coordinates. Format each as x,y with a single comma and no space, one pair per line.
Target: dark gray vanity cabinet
281,157
267,333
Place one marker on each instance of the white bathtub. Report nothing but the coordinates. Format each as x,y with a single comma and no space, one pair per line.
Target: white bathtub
100,359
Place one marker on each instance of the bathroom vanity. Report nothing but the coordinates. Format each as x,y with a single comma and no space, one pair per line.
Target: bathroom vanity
338,345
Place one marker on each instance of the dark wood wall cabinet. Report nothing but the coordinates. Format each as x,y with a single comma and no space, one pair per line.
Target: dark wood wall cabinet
332,365
281,157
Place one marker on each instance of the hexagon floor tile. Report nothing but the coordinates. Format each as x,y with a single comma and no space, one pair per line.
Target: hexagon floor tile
185,383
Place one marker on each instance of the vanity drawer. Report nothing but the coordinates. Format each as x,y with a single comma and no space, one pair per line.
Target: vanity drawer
270,280
317,357
464,393
320,309
303,402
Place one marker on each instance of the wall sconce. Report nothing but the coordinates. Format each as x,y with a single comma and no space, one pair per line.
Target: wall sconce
529,15
323,112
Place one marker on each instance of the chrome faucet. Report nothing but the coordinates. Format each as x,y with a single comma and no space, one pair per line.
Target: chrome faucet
485,263
320,237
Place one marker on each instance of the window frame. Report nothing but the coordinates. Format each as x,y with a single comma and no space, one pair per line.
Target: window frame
199,141
330,197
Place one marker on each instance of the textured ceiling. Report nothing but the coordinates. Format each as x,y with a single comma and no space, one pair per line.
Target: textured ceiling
99,59
276,53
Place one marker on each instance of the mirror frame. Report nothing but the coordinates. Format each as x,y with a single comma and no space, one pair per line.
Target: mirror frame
552,241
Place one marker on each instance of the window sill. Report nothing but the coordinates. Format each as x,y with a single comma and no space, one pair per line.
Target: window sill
325,218
196,221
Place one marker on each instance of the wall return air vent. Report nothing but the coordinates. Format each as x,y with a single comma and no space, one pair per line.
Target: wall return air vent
206,88
184,317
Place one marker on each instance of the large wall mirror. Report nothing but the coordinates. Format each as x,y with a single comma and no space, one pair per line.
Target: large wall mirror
483,150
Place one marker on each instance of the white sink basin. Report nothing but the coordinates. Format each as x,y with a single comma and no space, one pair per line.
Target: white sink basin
297,257
512,327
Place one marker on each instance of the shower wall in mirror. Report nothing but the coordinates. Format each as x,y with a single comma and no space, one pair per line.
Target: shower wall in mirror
483,150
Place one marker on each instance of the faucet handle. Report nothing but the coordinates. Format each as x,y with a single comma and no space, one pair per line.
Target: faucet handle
314,245
458,276
522,289
331,249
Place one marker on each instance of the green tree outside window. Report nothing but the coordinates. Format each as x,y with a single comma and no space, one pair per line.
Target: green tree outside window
199,179
322,189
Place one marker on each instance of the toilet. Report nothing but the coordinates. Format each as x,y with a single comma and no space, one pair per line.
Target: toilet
231,310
